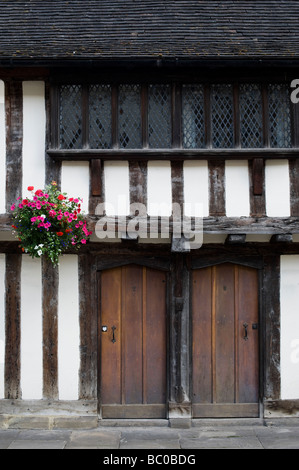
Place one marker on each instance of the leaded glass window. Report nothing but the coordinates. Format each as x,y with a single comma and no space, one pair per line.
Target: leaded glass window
159,116
193,116
100,117
251,116
190,117
279,116
222,116
70,117
129,117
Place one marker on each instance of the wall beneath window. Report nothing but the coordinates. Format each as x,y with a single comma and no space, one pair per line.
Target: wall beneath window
34,134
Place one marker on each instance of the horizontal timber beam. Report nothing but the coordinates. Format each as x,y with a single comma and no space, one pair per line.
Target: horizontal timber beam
173,154
212,225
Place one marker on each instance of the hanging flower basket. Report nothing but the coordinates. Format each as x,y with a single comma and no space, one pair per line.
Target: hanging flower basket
49,223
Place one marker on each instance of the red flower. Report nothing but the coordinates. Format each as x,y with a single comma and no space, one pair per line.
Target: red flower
25,202
30,188
61,197
59,234
38,192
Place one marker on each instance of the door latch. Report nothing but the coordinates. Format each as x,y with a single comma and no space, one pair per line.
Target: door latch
113,336
245,332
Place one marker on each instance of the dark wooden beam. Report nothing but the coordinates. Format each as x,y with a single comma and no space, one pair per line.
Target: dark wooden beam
173,154
50,329
217,187
14,140
13,327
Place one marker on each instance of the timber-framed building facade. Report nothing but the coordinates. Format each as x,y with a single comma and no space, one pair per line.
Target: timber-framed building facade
178,125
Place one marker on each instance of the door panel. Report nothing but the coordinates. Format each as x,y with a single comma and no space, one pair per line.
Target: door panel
133,356
225,353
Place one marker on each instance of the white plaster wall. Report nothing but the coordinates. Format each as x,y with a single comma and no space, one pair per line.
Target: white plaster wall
2,148
277,183
237,188
2,323
68,328
117,188
159,192
31,329
289,342
75,181
34,134
196,187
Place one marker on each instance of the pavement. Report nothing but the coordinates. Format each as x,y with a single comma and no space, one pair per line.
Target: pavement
217,434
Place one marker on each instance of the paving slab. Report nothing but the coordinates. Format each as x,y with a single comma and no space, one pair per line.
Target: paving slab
36,444
7,437
279,437
96,439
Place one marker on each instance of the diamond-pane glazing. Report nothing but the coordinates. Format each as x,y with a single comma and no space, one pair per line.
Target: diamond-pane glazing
159,116
193,118
279,116
222,116
100,117
70,125
129,117
251,116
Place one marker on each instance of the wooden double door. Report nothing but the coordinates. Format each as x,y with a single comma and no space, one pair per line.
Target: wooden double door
133,343
225,346
133,339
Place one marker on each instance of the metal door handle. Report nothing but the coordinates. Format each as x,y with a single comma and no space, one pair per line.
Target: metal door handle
113,337
245,335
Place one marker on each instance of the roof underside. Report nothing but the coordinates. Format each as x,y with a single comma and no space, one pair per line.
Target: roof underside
139,29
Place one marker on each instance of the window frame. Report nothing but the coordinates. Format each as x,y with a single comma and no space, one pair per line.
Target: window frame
177,150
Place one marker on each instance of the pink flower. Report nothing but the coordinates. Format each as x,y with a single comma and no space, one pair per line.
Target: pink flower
76,200
83,241
13,207
33,219
52,213
59,217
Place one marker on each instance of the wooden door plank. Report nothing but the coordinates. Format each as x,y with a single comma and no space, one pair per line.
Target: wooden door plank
202,335
224,334
155,338
132,334
110,352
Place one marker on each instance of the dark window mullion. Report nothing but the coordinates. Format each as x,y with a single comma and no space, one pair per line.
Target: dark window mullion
85,117
114,116
144,115
265,107
208,116
55,116
236,117
176,115
294,109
